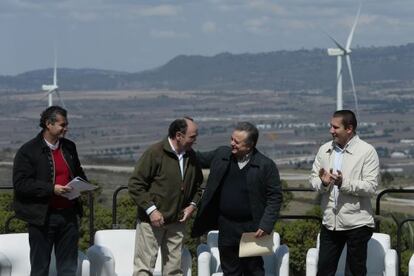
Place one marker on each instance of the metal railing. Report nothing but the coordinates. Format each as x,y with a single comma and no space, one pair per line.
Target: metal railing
91,215
301,217
115,225
288,217
6,187
399,234
378,202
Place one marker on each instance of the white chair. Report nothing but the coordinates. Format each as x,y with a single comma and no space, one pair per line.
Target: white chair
411,266
208,257
15,257
381,258
113,254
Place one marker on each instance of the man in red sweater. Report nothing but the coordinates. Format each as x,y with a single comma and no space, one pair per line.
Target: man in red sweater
42,169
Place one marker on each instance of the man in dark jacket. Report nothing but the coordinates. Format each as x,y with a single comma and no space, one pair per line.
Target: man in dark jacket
166,187
243,194
42,169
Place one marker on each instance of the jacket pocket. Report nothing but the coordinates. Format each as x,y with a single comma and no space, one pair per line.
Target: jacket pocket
349,205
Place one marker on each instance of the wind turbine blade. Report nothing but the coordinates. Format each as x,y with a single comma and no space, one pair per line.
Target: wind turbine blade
44,96
351,34
55,70
351,76
336,43
60,98
47,93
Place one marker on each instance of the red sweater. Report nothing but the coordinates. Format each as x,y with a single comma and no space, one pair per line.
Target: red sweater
62,177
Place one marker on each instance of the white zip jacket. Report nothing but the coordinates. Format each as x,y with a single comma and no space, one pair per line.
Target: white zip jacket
360,172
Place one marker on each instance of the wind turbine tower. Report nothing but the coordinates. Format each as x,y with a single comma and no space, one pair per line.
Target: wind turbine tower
341,52
53,88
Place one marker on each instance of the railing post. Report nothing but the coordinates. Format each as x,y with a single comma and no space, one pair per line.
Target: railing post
115,225
378,209
91,218
378,202
399,230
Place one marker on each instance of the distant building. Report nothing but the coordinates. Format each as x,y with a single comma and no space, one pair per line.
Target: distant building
407,141
264,126
398,155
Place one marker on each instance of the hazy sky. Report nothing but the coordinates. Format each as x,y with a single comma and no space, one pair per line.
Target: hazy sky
133,35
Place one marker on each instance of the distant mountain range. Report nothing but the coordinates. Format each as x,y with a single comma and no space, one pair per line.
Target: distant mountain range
280,70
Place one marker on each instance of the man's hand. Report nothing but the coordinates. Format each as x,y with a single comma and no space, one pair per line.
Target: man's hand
338,180
260,233
156,218
60,190
330,178
326,177
187,212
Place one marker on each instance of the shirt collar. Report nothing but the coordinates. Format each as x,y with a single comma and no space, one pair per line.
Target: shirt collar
245,158
51,146
349,147
173,149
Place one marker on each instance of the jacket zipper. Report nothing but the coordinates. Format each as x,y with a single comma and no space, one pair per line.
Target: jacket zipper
334,209
53,169
183,184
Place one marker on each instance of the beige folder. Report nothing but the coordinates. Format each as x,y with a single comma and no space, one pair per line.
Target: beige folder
251,246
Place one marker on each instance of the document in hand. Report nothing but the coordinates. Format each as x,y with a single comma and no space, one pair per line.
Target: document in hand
78,185
251,246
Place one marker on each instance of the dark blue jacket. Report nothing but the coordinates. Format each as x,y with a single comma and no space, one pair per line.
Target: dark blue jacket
263,182
33,178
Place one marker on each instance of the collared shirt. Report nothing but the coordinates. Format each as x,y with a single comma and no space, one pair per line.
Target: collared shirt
51,146
339,156
242,162
180,157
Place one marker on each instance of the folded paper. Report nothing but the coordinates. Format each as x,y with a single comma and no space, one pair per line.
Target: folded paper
251,246
78,185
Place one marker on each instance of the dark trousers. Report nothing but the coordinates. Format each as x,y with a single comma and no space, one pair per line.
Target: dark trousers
232,265
332,244
61,230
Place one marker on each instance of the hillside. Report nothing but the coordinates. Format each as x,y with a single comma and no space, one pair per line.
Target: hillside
281,70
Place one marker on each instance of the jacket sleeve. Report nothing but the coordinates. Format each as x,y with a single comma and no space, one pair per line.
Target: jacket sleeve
314,178
206,158
199,190
25,182
367,184
141,179
274,198
78,167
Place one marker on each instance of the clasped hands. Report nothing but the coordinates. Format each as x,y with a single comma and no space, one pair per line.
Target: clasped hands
330,178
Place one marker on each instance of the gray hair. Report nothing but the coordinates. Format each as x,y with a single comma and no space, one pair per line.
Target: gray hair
49,115
252,132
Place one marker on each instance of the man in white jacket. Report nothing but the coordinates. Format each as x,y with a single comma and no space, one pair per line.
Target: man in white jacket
345,172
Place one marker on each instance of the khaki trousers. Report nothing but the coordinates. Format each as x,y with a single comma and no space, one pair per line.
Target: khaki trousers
149,239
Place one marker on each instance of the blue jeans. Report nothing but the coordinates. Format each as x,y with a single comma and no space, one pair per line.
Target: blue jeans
61,230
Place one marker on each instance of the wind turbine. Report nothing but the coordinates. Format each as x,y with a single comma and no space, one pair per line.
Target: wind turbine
53,88
344,52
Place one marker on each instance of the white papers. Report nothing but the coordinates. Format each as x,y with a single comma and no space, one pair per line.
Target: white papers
251,246
78,185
